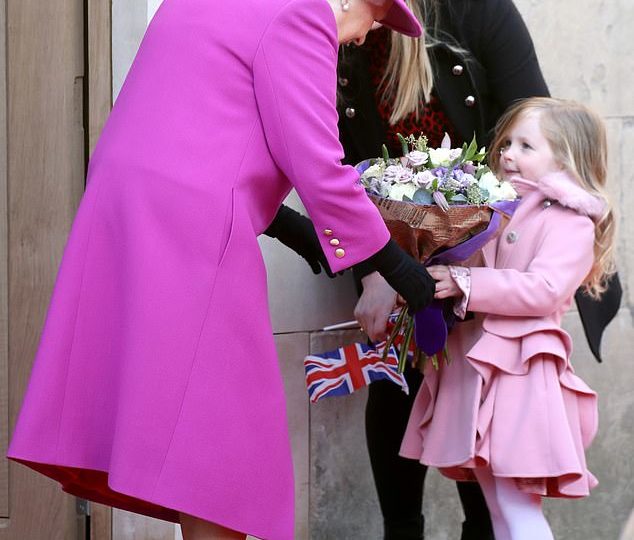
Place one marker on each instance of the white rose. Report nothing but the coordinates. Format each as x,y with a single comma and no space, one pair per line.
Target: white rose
374,171
440,157
398,191
455,153
495,194
417,158
507,191
488,181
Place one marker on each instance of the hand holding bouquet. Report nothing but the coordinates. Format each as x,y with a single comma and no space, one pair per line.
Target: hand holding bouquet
441,206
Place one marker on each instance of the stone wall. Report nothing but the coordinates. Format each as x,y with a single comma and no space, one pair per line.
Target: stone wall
585,49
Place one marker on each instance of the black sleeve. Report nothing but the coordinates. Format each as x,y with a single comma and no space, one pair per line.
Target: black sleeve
506,51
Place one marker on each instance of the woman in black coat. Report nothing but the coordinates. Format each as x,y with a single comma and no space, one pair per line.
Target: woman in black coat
475,59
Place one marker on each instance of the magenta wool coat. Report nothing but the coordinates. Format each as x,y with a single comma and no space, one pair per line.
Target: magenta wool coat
156,387
509,398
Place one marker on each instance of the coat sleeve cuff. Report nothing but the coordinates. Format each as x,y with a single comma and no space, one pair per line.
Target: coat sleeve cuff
462,278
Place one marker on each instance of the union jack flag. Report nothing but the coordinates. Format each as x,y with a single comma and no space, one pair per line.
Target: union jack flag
341,372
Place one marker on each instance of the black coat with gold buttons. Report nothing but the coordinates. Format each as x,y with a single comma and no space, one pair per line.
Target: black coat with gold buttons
496,65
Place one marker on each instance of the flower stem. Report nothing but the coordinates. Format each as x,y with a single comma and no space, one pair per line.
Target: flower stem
407,338
395,331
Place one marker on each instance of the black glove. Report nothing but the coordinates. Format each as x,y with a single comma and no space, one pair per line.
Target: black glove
406,276
297,232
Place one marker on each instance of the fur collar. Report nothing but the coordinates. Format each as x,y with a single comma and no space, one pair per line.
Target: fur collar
566,191
561,187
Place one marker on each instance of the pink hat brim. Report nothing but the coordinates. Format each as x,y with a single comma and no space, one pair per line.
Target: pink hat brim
401,19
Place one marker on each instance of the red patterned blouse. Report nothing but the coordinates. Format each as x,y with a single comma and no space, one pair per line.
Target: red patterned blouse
433,121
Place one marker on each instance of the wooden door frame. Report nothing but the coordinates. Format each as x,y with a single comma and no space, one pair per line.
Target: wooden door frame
25,44
99,93
4,282
43,132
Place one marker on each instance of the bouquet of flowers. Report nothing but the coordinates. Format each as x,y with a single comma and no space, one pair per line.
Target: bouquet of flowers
433,198
441,205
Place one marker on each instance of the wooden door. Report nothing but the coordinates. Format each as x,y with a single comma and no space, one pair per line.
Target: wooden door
53,100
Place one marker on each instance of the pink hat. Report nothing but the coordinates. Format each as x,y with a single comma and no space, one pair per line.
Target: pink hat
401,19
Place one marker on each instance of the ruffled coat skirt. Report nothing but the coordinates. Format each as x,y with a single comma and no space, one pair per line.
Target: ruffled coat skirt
496,404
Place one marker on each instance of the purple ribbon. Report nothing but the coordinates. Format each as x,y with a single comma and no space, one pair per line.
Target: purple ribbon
431,324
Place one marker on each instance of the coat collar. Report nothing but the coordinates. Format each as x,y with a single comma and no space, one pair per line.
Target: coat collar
562,188
559,187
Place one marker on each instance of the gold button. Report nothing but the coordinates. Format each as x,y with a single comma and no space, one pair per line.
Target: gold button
334,242
328,232
339,253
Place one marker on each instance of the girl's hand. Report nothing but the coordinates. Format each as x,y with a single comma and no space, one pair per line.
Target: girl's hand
445,285
375,306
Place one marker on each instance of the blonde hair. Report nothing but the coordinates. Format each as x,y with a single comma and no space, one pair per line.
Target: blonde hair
577,138
408,79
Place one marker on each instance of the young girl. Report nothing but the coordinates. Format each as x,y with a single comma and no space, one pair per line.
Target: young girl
508,409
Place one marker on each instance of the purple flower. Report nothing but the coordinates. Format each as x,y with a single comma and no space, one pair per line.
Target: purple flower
397,173
440,200
469,168
417,158
467,179
424,179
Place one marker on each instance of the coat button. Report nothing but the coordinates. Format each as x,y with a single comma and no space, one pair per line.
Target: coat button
328,232
350,112
457,69
512,237
334,242
469,101
343,82
339,253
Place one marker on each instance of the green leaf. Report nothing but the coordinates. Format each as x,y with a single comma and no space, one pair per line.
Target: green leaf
422,196
482,171
386,154
404,145
473,148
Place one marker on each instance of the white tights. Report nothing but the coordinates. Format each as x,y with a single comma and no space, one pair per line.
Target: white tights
515,515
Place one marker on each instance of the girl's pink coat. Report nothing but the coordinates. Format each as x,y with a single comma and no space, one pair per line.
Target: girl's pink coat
156,386
509,397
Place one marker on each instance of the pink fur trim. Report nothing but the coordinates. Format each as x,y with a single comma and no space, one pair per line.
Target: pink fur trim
561,187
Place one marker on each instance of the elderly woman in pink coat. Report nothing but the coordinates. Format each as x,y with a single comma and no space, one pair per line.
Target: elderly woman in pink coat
156,387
